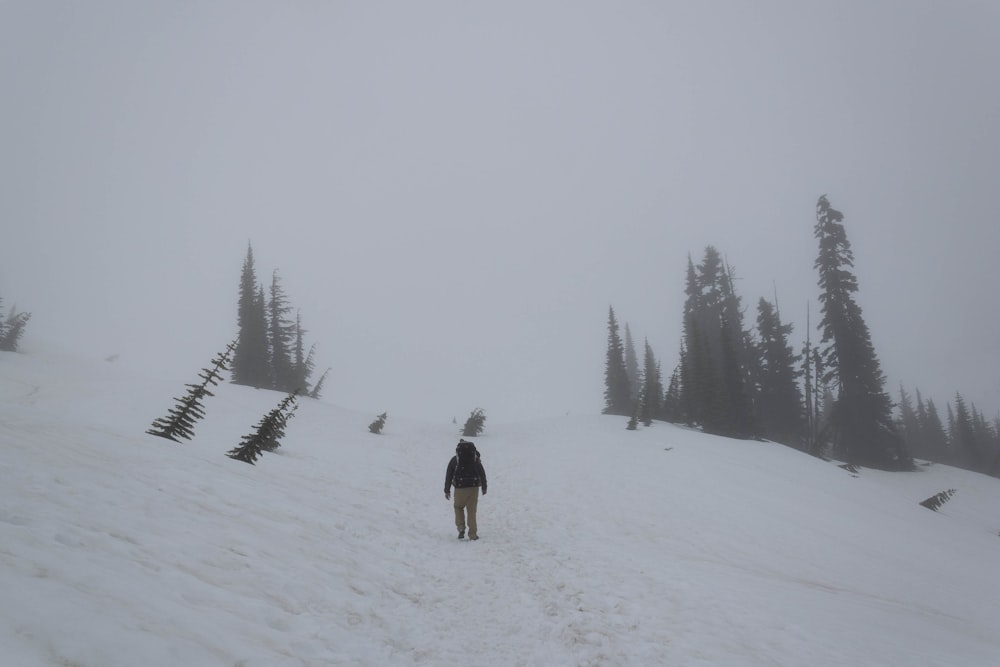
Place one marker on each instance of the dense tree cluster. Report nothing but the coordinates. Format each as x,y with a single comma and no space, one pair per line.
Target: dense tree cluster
270,348
829,399
967,439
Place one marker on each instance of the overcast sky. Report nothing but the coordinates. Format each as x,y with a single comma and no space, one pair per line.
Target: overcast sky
453,193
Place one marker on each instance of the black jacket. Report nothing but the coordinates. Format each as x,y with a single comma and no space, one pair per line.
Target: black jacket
479,480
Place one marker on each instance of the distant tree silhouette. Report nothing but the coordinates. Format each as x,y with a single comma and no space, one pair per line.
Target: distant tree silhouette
180,420
12,329
271,352
379,423
617,393
779,401
281,337
268,433
250,360
964,438
318,387
740,361
632,366
908,423
863,428
672,398
302,362
475,424
932,431
651,395
633,421
717,355
938,499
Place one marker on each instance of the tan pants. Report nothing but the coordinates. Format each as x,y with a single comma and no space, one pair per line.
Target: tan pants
466,500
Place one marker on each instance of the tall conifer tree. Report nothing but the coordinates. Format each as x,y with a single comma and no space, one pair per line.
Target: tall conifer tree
651,396
632,365
715,392
963,435
302,361
250,359
617,394
779,404
933,431
281,336
909,425
863,428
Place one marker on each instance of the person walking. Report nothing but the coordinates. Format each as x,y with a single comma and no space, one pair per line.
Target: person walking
466,473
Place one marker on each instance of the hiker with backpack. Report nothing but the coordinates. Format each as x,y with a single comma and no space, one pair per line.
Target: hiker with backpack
466,473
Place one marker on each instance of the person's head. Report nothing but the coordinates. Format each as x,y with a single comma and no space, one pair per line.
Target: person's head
464,444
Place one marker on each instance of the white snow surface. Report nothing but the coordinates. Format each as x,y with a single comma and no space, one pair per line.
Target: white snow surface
599,546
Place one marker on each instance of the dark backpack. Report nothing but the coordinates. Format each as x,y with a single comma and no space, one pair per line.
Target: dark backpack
467,468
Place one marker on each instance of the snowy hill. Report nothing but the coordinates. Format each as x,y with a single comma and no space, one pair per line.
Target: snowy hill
599,546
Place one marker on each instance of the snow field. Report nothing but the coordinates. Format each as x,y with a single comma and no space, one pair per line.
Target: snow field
599,546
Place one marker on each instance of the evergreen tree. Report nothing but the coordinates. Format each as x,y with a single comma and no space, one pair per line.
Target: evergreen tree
672,398
815,388
652,388
633,421
266,437
742,348
986,439
475,424
994,468
707,403
281,338
302,362
717,365
377,425
909,425
12,330
740,419
963,435
318,387
685,393
862,423
696,374
250,360
617,394
631,366
180,420
934,435
779,403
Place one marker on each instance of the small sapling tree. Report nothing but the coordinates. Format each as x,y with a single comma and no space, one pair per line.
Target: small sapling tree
377,425
938,499
267,436
318,387
180,420
12,329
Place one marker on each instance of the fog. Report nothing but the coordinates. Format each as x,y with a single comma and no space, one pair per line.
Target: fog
454,193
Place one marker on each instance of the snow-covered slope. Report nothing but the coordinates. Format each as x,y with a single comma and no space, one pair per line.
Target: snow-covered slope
599,546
